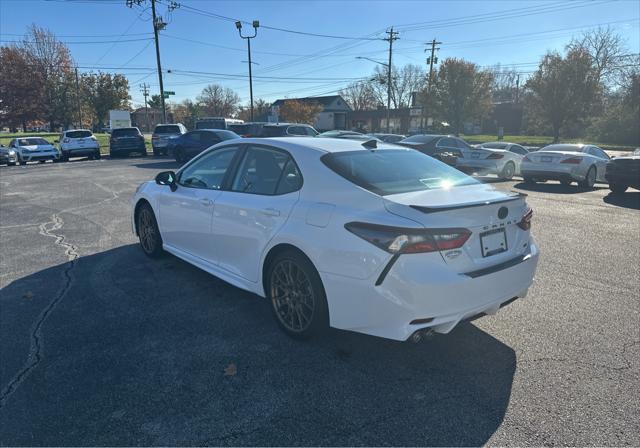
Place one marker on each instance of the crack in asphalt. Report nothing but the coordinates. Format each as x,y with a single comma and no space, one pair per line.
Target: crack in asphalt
35,351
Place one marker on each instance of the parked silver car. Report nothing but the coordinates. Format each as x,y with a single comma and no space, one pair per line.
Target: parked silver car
34,149
8,155
500,158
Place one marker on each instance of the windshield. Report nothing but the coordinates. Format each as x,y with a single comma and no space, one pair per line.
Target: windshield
125,132
78,134
494,145
391,171
167,129
32,141
419,139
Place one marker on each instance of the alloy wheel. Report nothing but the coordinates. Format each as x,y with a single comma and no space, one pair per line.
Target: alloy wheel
292,296
147,230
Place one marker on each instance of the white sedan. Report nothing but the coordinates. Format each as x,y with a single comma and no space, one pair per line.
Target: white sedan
362,236
500,158
34,149
585,164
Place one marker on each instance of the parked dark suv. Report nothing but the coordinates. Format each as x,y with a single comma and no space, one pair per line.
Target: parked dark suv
193,143
125,141
624,172
248,129
161,135
288,130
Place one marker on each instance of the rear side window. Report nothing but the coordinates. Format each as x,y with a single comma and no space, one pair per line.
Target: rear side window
125,132
267,172
79,134
167,129
518,150
386,172
273,131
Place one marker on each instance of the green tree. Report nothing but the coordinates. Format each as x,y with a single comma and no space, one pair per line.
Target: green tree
260,111
155,102
186,112
461,92
104,92
563,89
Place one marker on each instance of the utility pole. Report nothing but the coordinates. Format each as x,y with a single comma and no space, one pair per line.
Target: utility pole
517,87
158,25
144,88
256,24
431,60
78,99
392,36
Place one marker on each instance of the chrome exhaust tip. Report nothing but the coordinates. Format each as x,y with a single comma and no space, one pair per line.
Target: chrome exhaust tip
421,335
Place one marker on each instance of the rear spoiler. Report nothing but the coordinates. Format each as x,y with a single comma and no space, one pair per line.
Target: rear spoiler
514,196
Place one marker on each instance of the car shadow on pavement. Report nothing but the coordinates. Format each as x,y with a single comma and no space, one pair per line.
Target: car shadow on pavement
629,199
157,352
555,187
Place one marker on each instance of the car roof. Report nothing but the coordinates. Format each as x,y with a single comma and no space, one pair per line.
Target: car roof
275,125
76,130
575,147
324,145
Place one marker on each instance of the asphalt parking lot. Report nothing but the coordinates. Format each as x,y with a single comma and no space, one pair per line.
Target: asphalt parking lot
103,346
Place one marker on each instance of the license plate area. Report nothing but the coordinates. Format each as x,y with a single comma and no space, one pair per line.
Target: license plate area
493,242
475,155
546,159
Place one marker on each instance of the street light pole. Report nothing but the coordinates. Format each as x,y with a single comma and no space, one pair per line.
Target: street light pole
255,24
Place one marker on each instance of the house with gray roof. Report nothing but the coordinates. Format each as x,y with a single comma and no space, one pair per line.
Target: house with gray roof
333,115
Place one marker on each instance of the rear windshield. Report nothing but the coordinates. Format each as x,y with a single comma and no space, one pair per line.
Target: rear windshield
78,134
572,148
227,135
420,138
167,129
273,131
125,132
32,141
391,171
494,145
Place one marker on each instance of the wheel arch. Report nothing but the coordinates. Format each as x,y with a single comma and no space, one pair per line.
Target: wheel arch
141,202
275,251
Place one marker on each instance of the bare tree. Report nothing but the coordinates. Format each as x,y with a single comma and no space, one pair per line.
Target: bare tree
360,96
52,59
607,52
404,82
218,101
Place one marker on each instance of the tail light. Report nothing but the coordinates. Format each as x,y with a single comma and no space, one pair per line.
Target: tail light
399,240
525,222
572,160
495,156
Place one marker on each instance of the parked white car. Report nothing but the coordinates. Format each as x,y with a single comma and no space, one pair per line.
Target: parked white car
79,143
585,164
34,149
500,158
362,236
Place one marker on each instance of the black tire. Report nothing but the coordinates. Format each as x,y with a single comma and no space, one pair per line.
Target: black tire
97,155
11,163
22,162
143,153
148,232
508,171
589,179
179,155
618,188
156,152
566,183
529,180
298,300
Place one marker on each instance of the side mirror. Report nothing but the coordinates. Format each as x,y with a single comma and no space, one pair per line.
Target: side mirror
167,178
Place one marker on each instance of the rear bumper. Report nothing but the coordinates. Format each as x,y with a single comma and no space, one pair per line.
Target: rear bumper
552,172
78,152
433,292
622,178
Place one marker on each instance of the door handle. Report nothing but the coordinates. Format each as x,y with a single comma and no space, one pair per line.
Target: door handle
206,202
270,212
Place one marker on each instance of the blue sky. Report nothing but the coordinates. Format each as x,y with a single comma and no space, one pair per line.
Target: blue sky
106,33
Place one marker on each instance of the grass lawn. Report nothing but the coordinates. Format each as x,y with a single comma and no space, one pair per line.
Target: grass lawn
103,139
539,140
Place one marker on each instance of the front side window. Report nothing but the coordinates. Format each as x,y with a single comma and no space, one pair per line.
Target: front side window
209,170
599,153
392,171
518,150
194,136
261,171
447,143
